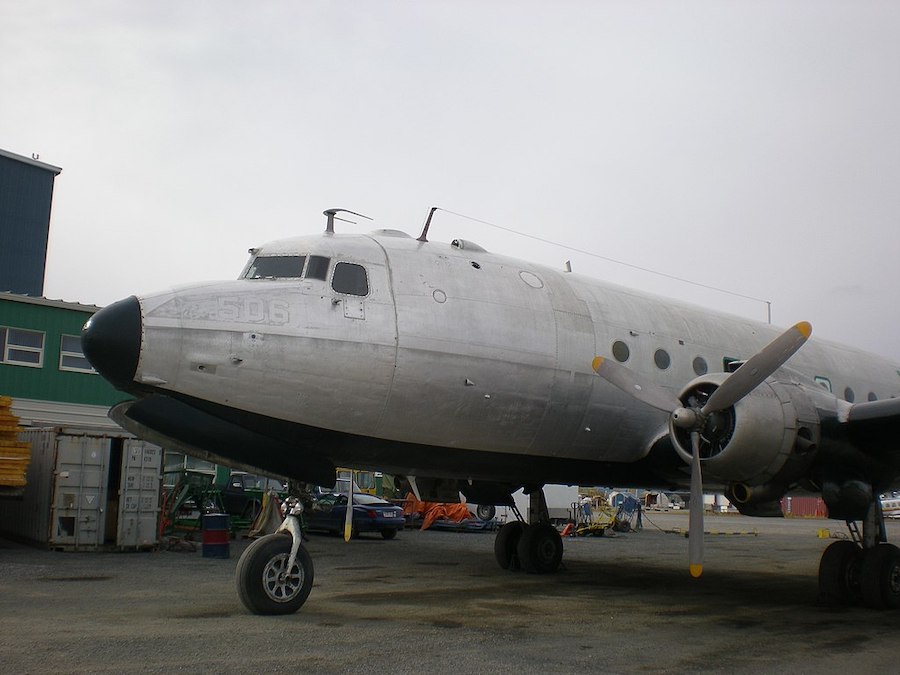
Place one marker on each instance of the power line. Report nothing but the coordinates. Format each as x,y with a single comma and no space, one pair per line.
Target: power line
768,303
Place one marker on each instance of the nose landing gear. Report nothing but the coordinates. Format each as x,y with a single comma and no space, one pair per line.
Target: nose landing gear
275,573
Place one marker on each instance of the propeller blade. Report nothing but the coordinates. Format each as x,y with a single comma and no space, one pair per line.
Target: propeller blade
695,532
628,381
348,519
760,366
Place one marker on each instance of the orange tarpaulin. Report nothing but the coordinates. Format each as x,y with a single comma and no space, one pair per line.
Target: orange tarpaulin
431,511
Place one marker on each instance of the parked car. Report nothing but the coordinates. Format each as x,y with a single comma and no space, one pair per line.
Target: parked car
370,514
242,496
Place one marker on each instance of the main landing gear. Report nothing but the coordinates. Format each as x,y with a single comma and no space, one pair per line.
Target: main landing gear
535,548
275,573
865,570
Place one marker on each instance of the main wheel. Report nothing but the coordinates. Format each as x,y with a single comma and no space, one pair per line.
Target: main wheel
264,583
505,544
540,549
486,512
389,533
840,572
880,577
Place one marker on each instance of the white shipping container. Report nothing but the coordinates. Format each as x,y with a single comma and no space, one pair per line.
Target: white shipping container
87,489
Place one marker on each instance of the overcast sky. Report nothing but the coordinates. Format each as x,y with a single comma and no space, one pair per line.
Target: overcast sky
752,146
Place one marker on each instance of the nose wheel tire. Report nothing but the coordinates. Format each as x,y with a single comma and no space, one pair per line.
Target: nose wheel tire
265,584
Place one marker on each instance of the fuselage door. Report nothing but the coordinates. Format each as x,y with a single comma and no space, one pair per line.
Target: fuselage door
350,283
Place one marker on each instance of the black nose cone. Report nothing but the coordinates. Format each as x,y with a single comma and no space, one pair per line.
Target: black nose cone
111,341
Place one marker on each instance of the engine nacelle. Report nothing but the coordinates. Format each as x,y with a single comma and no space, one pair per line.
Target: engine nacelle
768,436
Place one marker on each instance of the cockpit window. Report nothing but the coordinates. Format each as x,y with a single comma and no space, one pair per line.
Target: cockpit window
318,267
276,267
350,278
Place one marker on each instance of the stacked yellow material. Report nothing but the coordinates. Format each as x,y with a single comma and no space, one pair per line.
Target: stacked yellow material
14,455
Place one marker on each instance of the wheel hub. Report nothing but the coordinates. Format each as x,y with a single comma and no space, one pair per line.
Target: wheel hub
281,584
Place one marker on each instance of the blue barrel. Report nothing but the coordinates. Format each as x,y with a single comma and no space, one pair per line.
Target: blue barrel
215,535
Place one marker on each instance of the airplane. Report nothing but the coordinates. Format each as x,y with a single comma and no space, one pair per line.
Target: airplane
471,372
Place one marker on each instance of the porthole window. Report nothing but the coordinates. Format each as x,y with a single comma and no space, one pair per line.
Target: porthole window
621,352
350,278
661,358
872,396
700,366
849,395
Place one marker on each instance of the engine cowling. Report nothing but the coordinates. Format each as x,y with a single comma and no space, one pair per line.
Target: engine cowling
768,436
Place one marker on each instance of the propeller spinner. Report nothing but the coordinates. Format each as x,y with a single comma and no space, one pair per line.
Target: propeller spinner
694,417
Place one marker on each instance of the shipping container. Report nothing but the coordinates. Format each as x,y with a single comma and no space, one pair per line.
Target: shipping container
87,490
804,507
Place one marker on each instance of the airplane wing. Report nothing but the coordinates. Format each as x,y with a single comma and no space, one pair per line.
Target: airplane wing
874,426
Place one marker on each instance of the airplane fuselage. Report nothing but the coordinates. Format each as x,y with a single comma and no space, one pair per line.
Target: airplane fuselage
421,357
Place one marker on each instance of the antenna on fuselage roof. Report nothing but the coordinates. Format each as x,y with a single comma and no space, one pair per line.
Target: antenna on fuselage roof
424,236
330,214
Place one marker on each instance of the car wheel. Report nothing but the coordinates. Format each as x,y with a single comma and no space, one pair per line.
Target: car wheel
389,533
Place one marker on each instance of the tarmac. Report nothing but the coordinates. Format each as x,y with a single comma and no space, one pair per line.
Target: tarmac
436,602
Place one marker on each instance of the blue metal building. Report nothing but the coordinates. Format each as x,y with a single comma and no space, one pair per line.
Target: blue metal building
26,194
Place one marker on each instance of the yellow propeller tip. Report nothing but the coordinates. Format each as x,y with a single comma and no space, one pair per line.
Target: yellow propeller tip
595,364
696,571
805,328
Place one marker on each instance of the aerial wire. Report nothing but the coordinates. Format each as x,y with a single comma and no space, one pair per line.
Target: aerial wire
768,303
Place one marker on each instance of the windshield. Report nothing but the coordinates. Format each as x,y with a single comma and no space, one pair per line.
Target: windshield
276,267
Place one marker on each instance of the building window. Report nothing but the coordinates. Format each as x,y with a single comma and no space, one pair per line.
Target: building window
21,347
71,357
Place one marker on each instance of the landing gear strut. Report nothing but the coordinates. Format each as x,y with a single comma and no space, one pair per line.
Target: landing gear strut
866,569
535,548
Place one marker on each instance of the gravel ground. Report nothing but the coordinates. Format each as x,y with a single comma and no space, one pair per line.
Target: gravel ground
437,602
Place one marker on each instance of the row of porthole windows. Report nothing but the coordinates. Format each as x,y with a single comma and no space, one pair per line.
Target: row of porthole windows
850,395
621,352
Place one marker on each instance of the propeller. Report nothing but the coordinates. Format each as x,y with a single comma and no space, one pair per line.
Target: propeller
693,417
348,518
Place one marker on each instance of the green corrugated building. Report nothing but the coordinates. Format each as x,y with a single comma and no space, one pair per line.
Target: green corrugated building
43,368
